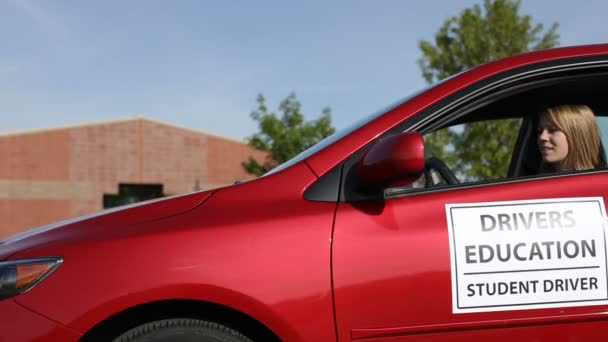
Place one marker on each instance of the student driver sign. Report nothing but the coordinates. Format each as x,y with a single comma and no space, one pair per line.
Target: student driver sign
527,254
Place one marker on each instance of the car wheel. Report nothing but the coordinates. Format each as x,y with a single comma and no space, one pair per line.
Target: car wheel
181,330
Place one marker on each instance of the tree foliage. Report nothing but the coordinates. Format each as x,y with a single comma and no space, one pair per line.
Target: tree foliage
478,35
285,135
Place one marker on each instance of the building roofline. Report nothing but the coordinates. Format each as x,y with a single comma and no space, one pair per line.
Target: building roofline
140,117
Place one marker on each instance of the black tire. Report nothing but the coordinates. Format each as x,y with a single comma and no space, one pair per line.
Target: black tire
181,330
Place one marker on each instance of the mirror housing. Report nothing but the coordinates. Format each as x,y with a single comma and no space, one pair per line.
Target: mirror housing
395,159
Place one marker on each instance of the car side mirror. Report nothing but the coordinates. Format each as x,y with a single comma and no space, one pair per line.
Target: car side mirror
395,159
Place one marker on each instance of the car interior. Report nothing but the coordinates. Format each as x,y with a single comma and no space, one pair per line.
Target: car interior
525,104
521,102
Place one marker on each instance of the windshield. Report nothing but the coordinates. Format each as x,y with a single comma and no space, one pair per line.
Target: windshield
339,135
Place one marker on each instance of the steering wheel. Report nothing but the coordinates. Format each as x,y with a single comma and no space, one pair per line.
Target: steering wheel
432,163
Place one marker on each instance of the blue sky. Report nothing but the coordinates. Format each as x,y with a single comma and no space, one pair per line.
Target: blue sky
200,64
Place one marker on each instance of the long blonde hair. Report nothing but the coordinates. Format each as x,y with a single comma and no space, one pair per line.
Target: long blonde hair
578,124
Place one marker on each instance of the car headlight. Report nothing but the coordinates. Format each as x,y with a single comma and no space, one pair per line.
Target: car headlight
20,276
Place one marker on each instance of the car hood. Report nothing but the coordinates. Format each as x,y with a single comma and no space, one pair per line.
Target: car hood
98,222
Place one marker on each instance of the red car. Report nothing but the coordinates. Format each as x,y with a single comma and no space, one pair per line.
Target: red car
362,237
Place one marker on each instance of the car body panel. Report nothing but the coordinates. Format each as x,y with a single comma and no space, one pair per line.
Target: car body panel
124,216
392,266
22,324
237,250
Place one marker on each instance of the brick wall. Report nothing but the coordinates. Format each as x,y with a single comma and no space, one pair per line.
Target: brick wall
55,174
222,170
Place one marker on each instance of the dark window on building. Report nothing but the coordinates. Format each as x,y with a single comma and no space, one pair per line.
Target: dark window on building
132,193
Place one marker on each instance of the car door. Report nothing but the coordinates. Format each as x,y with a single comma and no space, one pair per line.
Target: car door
393,273
518,256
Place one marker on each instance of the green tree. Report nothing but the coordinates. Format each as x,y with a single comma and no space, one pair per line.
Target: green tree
286,135
478,35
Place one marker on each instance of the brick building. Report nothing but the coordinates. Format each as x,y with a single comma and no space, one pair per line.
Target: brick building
53,174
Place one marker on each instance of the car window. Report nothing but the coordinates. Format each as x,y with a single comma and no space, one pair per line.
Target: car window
602,122
475,151
478,151
494,137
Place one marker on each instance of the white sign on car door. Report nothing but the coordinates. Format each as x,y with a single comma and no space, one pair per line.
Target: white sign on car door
527,254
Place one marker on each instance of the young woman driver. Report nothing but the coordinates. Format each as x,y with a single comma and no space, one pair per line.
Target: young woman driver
569,139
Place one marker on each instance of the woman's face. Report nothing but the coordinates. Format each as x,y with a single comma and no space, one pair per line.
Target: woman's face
552,142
